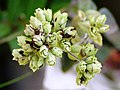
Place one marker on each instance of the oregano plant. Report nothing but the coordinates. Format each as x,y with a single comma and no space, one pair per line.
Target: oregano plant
48,35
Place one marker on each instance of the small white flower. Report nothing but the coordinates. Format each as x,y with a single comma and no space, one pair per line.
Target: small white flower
48,14
51,60
39,13
29,31
35,22
57,51
43,51
47,27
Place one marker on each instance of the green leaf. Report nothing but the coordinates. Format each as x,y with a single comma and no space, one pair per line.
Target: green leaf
16,79
58,4
31,5
4,30
66,62
4,16
18,7
14,9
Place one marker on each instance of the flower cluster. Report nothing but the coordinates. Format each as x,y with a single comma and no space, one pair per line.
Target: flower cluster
44,39
92,23
86,70
88,63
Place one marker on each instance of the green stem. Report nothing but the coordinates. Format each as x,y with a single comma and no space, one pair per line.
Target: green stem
15,80
74,56
10,37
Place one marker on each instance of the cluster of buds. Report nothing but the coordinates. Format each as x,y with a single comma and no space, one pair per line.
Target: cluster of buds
92,23
86,70
44,39
82,51
88,63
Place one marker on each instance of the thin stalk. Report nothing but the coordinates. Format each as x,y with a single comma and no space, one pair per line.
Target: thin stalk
15,80
74,56
10,37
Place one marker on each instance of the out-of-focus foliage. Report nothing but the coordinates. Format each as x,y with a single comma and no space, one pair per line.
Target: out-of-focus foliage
4,29
58,4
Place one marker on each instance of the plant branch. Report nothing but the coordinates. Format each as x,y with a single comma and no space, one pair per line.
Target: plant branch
15,80
73,55
10,37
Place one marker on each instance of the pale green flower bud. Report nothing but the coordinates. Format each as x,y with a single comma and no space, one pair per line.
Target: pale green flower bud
100,20
88,75
90,50
51,39
20,57
78,80
36,62
23,61
81,67
65,45
104,28
56,15
61,21
27,48
35,22
16,54
58,35
40,62
99,66
94,68
33,63
57,51
83,80
39,13
43,51
51,60
91,59
29,31
38,39
48,14
47,27
93,31
22,40
69,31
80,74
